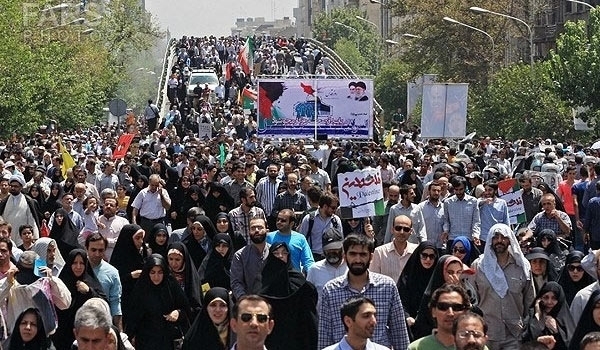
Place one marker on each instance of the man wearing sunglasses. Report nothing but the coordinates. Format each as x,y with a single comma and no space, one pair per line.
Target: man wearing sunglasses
390,258
252,322
447,303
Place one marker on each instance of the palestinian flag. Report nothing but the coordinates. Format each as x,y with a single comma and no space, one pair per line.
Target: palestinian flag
249,97
246,55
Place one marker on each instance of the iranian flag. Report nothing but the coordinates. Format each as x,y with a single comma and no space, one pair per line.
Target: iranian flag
246,55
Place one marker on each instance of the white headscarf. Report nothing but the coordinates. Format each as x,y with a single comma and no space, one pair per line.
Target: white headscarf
41,248
489,262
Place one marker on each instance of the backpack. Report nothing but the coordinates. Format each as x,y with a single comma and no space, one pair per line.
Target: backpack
311,223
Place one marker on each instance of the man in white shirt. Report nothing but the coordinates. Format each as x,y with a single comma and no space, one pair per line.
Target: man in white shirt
333,265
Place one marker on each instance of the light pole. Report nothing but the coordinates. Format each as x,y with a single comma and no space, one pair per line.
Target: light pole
367,21
582,3
385,9
451,20
352,29
482,10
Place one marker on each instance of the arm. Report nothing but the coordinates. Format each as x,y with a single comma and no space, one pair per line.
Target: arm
476,220
306,256
325,321
563,221
237,275
376,261
165,199
398,332
134,216
61,297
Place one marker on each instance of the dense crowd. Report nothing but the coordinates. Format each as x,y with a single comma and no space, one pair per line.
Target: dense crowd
189,243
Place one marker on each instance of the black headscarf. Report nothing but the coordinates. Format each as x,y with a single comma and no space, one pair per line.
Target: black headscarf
278,278
203,330
586,322
214,270
414,279
53,202
238,240
151,239
560,312
194,247
215,204
39,342
192,285
569,286
40,200
135,192
126,257
64,234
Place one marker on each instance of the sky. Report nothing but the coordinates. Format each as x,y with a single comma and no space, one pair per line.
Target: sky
203,17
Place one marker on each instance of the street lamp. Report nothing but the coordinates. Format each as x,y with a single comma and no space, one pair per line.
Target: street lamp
451,20
367,21
575,1
482,10
352,29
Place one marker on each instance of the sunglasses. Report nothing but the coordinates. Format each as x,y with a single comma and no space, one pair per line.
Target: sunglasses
247,317
459,250
574,268
425,256
402,228
446,306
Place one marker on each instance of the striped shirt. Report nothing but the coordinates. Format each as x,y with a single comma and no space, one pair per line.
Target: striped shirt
391,328
266,191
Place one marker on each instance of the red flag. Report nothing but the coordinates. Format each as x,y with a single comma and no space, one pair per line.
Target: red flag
122,146
44,230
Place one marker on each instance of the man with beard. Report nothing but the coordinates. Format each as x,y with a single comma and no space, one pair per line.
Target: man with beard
470,332
333,265
19,209
247,262
447,303
504,285
380,222
266,191
433,214
358,251
461,213
240,217
291,198
300,255
358,315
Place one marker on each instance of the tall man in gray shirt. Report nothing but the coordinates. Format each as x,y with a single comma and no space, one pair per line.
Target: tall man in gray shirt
247,262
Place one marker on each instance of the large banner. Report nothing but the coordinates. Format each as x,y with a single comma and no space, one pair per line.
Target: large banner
293,108
361,193
444,112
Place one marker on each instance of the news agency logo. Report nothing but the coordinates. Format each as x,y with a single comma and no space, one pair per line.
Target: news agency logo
65,21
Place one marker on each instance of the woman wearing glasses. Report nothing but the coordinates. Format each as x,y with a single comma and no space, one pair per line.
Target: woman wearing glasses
414,279
463,249
573,277
449,270
549,315
211,327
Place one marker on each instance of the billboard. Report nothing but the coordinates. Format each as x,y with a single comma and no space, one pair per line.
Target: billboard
293,108
444,112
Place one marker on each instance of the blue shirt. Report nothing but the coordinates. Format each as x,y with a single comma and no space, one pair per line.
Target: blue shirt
391,327
300,253
108,276
591,223
461,217
491,214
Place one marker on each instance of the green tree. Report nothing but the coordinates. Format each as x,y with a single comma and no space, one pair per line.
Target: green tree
390,88
574,65
519,103
348,51
362,34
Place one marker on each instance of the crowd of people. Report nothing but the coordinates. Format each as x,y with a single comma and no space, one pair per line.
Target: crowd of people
238,242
